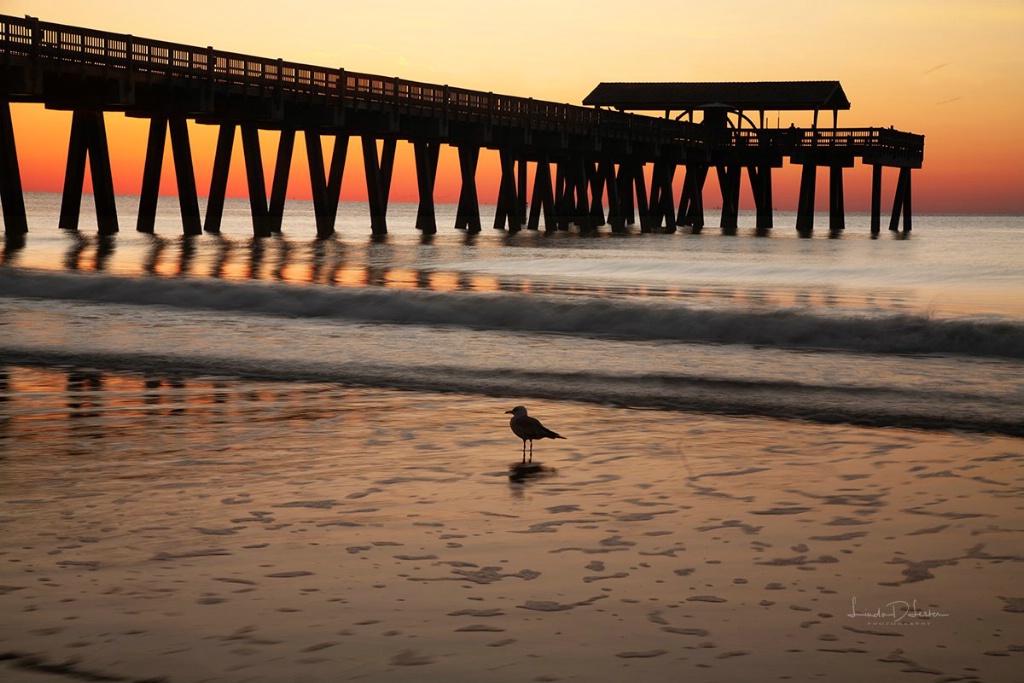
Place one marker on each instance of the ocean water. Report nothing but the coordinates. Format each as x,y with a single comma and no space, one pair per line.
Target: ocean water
924,332
227,459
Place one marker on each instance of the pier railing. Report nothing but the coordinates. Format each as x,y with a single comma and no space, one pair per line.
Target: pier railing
70,47
89,71
858,141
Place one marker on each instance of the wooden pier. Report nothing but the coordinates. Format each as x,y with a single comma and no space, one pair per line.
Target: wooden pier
599,154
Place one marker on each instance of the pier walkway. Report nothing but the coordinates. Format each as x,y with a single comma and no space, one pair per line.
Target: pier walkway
598,154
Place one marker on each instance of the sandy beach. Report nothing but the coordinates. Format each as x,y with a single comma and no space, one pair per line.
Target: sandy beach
273,277
326,533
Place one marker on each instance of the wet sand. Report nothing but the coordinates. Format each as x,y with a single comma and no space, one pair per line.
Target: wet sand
203,530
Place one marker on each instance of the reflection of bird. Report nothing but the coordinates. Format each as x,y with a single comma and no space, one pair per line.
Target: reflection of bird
528,428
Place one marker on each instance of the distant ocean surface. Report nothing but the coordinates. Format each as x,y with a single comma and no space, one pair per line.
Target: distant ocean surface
923,332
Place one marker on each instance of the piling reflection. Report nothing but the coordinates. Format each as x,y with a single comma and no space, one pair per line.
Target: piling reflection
81,412
221,258
85,402
73,258
105,245
383,261
5,418
13,246
188,253
152,262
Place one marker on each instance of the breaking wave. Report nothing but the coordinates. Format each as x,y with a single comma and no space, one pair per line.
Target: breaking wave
540,313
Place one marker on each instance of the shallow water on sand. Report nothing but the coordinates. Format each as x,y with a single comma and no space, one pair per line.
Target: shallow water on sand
182,528
925,331
207,473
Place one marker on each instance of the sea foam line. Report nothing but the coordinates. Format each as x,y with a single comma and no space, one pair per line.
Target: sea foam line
571,315
864,406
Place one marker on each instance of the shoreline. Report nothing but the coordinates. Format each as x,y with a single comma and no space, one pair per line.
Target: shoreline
804,404
287,531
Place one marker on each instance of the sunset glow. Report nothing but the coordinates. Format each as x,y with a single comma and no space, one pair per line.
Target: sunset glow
947,70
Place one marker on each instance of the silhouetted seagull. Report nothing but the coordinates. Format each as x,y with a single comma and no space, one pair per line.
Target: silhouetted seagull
528,428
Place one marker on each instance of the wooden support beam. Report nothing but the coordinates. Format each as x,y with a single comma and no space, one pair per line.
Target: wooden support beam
468,214
279,187
908,214
579,198
754,177
729,181
318,184
662,197
876,199
378,176
654,224
572,204
387,167
691,198
836,204
543,198
761,187
506,190
517,212
536,204
606,176
805,205
766,211
636,179
74,174
151,172
625,192
219,179
901,203
521,191
668,200
102,178
508,202
88,138
426,154
563,208
897,204
188,199
12,195
266,220
639,186
326,191
596,182
257,185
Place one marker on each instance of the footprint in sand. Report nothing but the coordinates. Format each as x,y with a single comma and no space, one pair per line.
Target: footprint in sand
410,658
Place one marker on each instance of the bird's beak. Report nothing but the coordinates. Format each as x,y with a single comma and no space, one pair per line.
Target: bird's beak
508,412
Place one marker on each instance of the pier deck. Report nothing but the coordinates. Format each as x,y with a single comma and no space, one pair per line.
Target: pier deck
599,154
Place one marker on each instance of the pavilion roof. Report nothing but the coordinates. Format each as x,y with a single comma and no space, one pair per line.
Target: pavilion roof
750,96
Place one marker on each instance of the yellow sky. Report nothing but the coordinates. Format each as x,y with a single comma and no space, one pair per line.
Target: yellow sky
949,69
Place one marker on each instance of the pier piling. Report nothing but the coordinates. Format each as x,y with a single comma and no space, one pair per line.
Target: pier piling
11,196
836,204
805,204
219,178
88,139
468,214
326,190
426,155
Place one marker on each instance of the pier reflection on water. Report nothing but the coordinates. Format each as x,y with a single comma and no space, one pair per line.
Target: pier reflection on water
421,262
75,411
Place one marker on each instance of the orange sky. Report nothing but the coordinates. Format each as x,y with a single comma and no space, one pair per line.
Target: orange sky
947,69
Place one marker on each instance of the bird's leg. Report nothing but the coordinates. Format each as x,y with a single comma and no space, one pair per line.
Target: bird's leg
524,451
531,450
